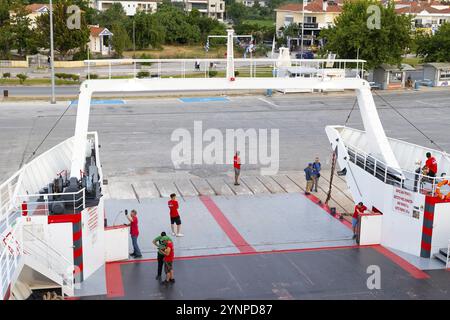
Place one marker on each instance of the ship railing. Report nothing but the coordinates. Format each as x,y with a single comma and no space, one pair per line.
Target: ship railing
8,212
48,257
406,179
210,67
42,204
447,263
11,254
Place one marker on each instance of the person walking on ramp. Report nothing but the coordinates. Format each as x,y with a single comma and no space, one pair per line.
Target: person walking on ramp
237,168
174,216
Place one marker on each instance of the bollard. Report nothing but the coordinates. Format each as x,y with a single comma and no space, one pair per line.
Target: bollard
5,93
269,92
416,85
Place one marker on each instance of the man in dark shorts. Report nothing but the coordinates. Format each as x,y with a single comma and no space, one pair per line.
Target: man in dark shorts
168,262
174,216
159,243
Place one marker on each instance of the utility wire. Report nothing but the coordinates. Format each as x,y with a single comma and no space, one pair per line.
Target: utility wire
353,108
412,124
48,133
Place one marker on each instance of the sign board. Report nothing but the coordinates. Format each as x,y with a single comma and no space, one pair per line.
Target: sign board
403,202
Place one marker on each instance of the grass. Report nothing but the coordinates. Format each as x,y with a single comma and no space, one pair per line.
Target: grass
36,82
181,52
413,61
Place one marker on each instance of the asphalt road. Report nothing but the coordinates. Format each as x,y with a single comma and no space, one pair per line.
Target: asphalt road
136,136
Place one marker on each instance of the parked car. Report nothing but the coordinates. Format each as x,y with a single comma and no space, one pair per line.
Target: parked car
306,55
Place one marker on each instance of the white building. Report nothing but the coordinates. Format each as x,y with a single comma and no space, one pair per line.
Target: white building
251,3
212,8
425,14
130,6
100,40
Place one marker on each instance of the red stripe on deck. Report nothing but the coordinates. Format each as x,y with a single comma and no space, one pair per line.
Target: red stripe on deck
402,263
227,227
114,283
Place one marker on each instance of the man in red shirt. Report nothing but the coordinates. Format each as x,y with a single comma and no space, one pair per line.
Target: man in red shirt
134,232
359,208
168,261
174,215
237,168
431,164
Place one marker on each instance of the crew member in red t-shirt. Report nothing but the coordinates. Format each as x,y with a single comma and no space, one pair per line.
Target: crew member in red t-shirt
174,215
237,168
168,261
359,208
134,232
431,164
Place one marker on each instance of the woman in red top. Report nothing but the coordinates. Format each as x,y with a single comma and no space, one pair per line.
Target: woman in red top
237,168
168,261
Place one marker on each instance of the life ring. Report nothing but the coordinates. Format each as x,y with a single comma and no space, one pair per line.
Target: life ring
438,190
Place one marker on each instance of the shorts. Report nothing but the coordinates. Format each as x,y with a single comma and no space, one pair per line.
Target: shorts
237,171
176,220
354,222
168,266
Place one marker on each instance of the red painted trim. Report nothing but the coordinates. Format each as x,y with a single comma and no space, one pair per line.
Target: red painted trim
427,231
77,236
218,255
77,252
327,209
428,215
402,263
62,218
232,233
426,246
114,283
370,214
433,200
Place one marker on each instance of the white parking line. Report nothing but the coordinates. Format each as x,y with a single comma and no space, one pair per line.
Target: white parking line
269,102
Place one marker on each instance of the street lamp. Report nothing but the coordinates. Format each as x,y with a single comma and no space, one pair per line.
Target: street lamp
303,26
52,55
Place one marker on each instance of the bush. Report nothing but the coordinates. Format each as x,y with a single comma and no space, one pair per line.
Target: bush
22,77
143,74
146,56
212,73
67,76
236,73
6,75
92,76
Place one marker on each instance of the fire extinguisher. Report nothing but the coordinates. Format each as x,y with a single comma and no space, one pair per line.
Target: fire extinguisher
24,209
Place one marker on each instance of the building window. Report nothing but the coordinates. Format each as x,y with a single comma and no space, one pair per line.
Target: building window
442,21
445,74
288,20
310,19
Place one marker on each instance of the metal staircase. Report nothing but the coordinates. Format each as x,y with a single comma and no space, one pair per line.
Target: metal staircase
444,255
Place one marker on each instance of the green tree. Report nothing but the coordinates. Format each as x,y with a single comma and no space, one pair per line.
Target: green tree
148,32
435,48
66,41
113,15
350,33
237,12
175,22
22,39
120,39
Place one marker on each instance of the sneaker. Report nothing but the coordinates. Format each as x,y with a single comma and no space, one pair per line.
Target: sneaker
132,254
180,235
174,234
307,193
158,278
164,283
172,280
138,256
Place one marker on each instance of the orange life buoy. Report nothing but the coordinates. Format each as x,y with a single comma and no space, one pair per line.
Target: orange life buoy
438,190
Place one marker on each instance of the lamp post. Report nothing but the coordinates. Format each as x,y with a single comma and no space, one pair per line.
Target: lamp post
303,26
52,55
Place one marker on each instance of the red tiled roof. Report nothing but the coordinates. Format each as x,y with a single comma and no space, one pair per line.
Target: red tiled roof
416,8
313,6
35,7
95,31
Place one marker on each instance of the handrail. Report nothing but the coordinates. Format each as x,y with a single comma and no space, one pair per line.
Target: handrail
447,264
383,172
10,258
50,257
